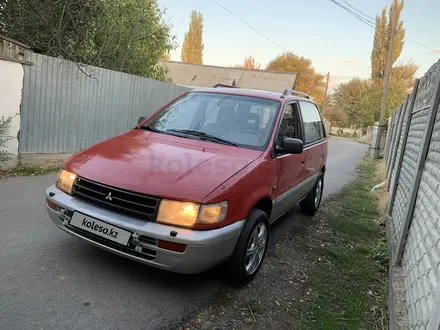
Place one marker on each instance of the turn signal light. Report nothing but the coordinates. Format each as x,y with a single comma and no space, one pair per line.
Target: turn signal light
52,205
171,246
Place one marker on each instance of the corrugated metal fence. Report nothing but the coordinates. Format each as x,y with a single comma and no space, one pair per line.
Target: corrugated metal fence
64,110
413,164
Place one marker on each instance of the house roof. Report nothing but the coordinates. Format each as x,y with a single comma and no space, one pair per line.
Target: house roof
198,75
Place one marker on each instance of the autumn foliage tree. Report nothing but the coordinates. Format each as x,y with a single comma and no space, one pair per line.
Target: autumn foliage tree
382,39
307,80
358,98
192,48
404,74
165,56
250,63
336,116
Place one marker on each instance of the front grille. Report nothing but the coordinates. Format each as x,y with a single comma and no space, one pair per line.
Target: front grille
122,201
130,249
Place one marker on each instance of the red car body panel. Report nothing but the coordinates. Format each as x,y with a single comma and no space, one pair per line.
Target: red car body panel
161,165
179,168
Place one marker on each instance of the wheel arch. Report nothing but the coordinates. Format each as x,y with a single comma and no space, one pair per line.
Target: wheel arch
264,204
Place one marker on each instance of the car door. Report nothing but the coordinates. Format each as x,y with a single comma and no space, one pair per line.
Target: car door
290,168
313,139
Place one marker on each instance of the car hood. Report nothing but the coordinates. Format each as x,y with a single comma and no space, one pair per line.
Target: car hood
161,165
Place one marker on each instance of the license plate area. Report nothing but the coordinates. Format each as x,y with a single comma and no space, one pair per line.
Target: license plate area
100,228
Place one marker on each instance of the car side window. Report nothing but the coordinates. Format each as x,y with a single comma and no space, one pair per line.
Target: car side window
289,127
313,127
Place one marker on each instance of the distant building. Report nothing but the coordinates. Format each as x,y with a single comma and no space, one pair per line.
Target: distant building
198,75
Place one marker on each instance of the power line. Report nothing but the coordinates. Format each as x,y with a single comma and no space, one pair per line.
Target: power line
351,12
253,28
367,22
363,72
359,11
420,44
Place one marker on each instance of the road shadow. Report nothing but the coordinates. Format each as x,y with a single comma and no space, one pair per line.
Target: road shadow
138,272
292,220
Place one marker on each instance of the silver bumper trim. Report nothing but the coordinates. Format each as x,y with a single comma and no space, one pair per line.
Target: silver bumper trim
205,249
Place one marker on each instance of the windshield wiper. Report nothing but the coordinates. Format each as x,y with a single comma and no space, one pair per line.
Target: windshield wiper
204,136
149,128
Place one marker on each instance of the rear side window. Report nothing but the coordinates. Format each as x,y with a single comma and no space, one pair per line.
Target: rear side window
313,128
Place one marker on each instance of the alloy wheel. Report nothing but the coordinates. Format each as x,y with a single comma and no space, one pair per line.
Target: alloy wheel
256,248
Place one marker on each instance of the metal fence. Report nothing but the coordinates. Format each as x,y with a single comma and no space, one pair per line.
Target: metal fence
64,110
413,167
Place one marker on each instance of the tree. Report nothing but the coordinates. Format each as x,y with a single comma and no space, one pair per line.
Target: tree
308,80
336,116
192,48
131,37
348,97
123,35
404,74
250,63
165,57
382,38
359,99
55,28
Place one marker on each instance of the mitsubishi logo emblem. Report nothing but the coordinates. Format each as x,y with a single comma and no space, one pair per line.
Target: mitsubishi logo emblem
109,197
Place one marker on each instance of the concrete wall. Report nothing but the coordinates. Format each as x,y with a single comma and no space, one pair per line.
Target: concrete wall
11,83
413,161
342,131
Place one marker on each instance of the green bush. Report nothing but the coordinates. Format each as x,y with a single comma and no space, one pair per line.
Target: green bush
4,137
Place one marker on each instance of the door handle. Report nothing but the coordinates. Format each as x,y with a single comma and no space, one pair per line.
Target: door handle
302,162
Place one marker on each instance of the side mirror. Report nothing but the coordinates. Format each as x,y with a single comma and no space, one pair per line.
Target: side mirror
140,120
292,146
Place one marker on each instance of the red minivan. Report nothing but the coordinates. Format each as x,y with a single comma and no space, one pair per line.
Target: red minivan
199,182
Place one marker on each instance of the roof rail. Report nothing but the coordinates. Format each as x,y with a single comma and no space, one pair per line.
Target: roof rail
223,85
292,91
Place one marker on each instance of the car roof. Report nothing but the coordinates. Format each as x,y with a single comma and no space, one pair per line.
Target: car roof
252,93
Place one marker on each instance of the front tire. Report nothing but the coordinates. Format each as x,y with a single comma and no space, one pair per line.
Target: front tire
250,250
310,204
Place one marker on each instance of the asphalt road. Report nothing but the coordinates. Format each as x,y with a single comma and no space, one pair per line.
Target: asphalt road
50,280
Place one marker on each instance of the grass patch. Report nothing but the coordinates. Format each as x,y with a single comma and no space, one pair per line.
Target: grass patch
30,170
382,194
348,283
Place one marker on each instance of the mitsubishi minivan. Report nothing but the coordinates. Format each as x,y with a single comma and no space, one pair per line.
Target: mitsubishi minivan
199,182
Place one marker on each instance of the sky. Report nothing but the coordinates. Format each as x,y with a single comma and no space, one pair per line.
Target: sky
335,41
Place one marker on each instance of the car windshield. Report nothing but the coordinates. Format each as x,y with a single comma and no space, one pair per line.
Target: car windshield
221,118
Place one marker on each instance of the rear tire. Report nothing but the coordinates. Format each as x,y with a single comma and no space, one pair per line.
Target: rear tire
310,204
250,249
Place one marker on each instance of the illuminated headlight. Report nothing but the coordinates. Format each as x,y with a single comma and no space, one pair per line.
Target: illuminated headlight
187,214
65,181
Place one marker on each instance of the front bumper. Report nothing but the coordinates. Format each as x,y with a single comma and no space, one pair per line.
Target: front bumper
204,249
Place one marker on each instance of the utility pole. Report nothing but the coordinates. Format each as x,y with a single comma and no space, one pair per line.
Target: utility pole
324,107
326,84
388,67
